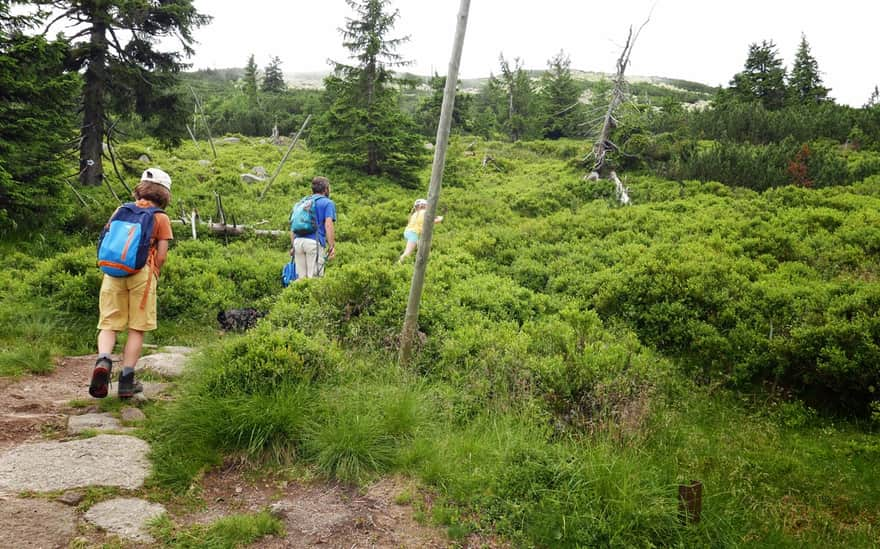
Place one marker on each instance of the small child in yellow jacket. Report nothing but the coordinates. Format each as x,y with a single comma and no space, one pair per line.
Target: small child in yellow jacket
414,227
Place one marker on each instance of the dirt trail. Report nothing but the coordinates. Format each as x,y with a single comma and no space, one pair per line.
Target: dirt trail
35,409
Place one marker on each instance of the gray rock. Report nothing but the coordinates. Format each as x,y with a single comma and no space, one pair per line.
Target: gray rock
259,171
279,509
71,498
230,140
152,391
429,146
204,163
104,460
126,517
164,364
178,349
251,178
35,523
98,422
132,414
144,158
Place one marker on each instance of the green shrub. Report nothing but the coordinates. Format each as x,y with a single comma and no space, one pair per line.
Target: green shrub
267,357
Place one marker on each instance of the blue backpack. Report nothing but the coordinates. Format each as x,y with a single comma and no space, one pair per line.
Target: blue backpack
125,241
303,219
288,274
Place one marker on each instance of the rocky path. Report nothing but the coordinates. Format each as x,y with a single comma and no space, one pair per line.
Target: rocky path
73,476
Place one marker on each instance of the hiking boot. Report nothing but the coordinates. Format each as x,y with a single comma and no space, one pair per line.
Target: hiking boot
128,386
101,377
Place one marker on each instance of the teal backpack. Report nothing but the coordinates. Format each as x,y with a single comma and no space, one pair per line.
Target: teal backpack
303,219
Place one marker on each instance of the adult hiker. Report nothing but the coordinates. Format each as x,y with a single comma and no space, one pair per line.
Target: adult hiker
312,233
131,252
414,227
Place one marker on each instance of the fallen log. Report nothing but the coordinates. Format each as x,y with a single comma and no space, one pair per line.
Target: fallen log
228,229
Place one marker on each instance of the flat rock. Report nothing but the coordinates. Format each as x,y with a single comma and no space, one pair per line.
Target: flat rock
230,140
204,163
104,460
126,517
36,523
98,422
164,364
260,171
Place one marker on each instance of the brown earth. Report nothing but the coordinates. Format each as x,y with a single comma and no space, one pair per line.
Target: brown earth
318,514
35,406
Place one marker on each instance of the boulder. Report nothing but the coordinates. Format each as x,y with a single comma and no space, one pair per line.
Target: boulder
164,364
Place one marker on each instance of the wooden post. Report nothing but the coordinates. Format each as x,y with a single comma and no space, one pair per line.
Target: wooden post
690,502
284,158
410,321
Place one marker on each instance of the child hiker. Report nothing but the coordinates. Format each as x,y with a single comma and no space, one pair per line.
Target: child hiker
414,227
133,248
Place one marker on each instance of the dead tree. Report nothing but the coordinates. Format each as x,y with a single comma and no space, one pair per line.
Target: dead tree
619,94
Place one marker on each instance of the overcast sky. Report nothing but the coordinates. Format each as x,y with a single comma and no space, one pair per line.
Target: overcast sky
701,40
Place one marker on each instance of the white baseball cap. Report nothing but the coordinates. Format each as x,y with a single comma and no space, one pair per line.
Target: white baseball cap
420,202
155,175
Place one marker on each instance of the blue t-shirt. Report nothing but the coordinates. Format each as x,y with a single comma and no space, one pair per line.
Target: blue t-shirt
324,208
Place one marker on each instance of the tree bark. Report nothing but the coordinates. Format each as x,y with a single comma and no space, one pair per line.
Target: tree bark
411,318
92,133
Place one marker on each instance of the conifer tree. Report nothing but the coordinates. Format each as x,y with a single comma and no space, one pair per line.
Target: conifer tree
804,82
429,109
273,78
114,41
249,80
563,111
488,106
763,78
519,122
37,99
874,99
363,126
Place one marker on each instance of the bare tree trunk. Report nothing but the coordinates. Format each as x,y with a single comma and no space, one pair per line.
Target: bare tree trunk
91,145
411,319
603,143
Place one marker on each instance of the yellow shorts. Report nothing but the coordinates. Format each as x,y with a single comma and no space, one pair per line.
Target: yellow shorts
121,302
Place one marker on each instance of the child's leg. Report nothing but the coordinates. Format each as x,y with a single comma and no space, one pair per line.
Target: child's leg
106,342
133,348
410,248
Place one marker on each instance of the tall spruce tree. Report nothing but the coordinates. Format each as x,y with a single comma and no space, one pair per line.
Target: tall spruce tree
520,121
763,78
874,99
37,99
363,126
273,78
804,82
249,79
560,94
429,109
114,41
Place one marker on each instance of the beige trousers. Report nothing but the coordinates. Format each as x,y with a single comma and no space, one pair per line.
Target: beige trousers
309,258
